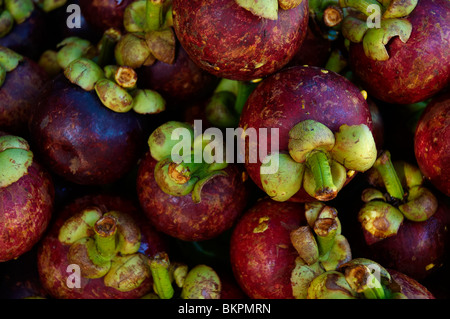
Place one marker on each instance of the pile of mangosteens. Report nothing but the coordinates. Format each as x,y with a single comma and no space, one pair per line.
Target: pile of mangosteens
224,149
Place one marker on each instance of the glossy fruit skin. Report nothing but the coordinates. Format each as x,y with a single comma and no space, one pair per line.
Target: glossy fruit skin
411,288
181,84
104,14
18,95
28,38
26,208
432,143
52,254
229,41
261,253
224,198
416,70
82,140
296,94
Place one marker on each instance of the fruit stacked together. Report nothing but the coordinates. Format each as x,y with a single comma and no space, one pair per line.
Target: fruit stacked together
204,149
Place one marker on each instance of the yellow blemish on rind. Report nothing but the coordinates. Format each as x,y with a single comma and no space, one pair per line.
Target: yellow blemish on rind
263,224
428,267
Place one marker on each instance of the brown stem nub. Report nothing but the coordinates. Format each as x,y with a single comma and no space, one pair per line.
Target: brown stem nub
126,77
179,176
332,16
105,226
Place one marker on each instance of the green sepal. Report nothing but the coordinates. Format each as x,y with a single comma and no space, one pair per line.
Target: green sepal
79,226
20,10
83,252
197,190
6,23
202,282
134,16
9,59
330,285
148,102
113,96
167,136
376,39
84,72
167,184
380,219
285,181
301,277
355,147
127,272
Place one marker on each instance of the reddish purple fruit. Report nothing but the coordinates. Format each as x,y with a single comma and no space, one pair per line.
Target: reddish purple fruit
26,204
222,201
82,140
261,252
231,42
54,255
411,288
416,70
18,95
28,38
432,143
293,96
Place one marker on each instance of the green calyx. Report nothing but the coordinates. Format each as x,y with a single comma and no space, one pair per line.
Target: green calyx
15,159
398,193
359,278
201,282
320,246
148,36
115,86
379,23
321,161
268,9
369,280
9,60
185,164
106,245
